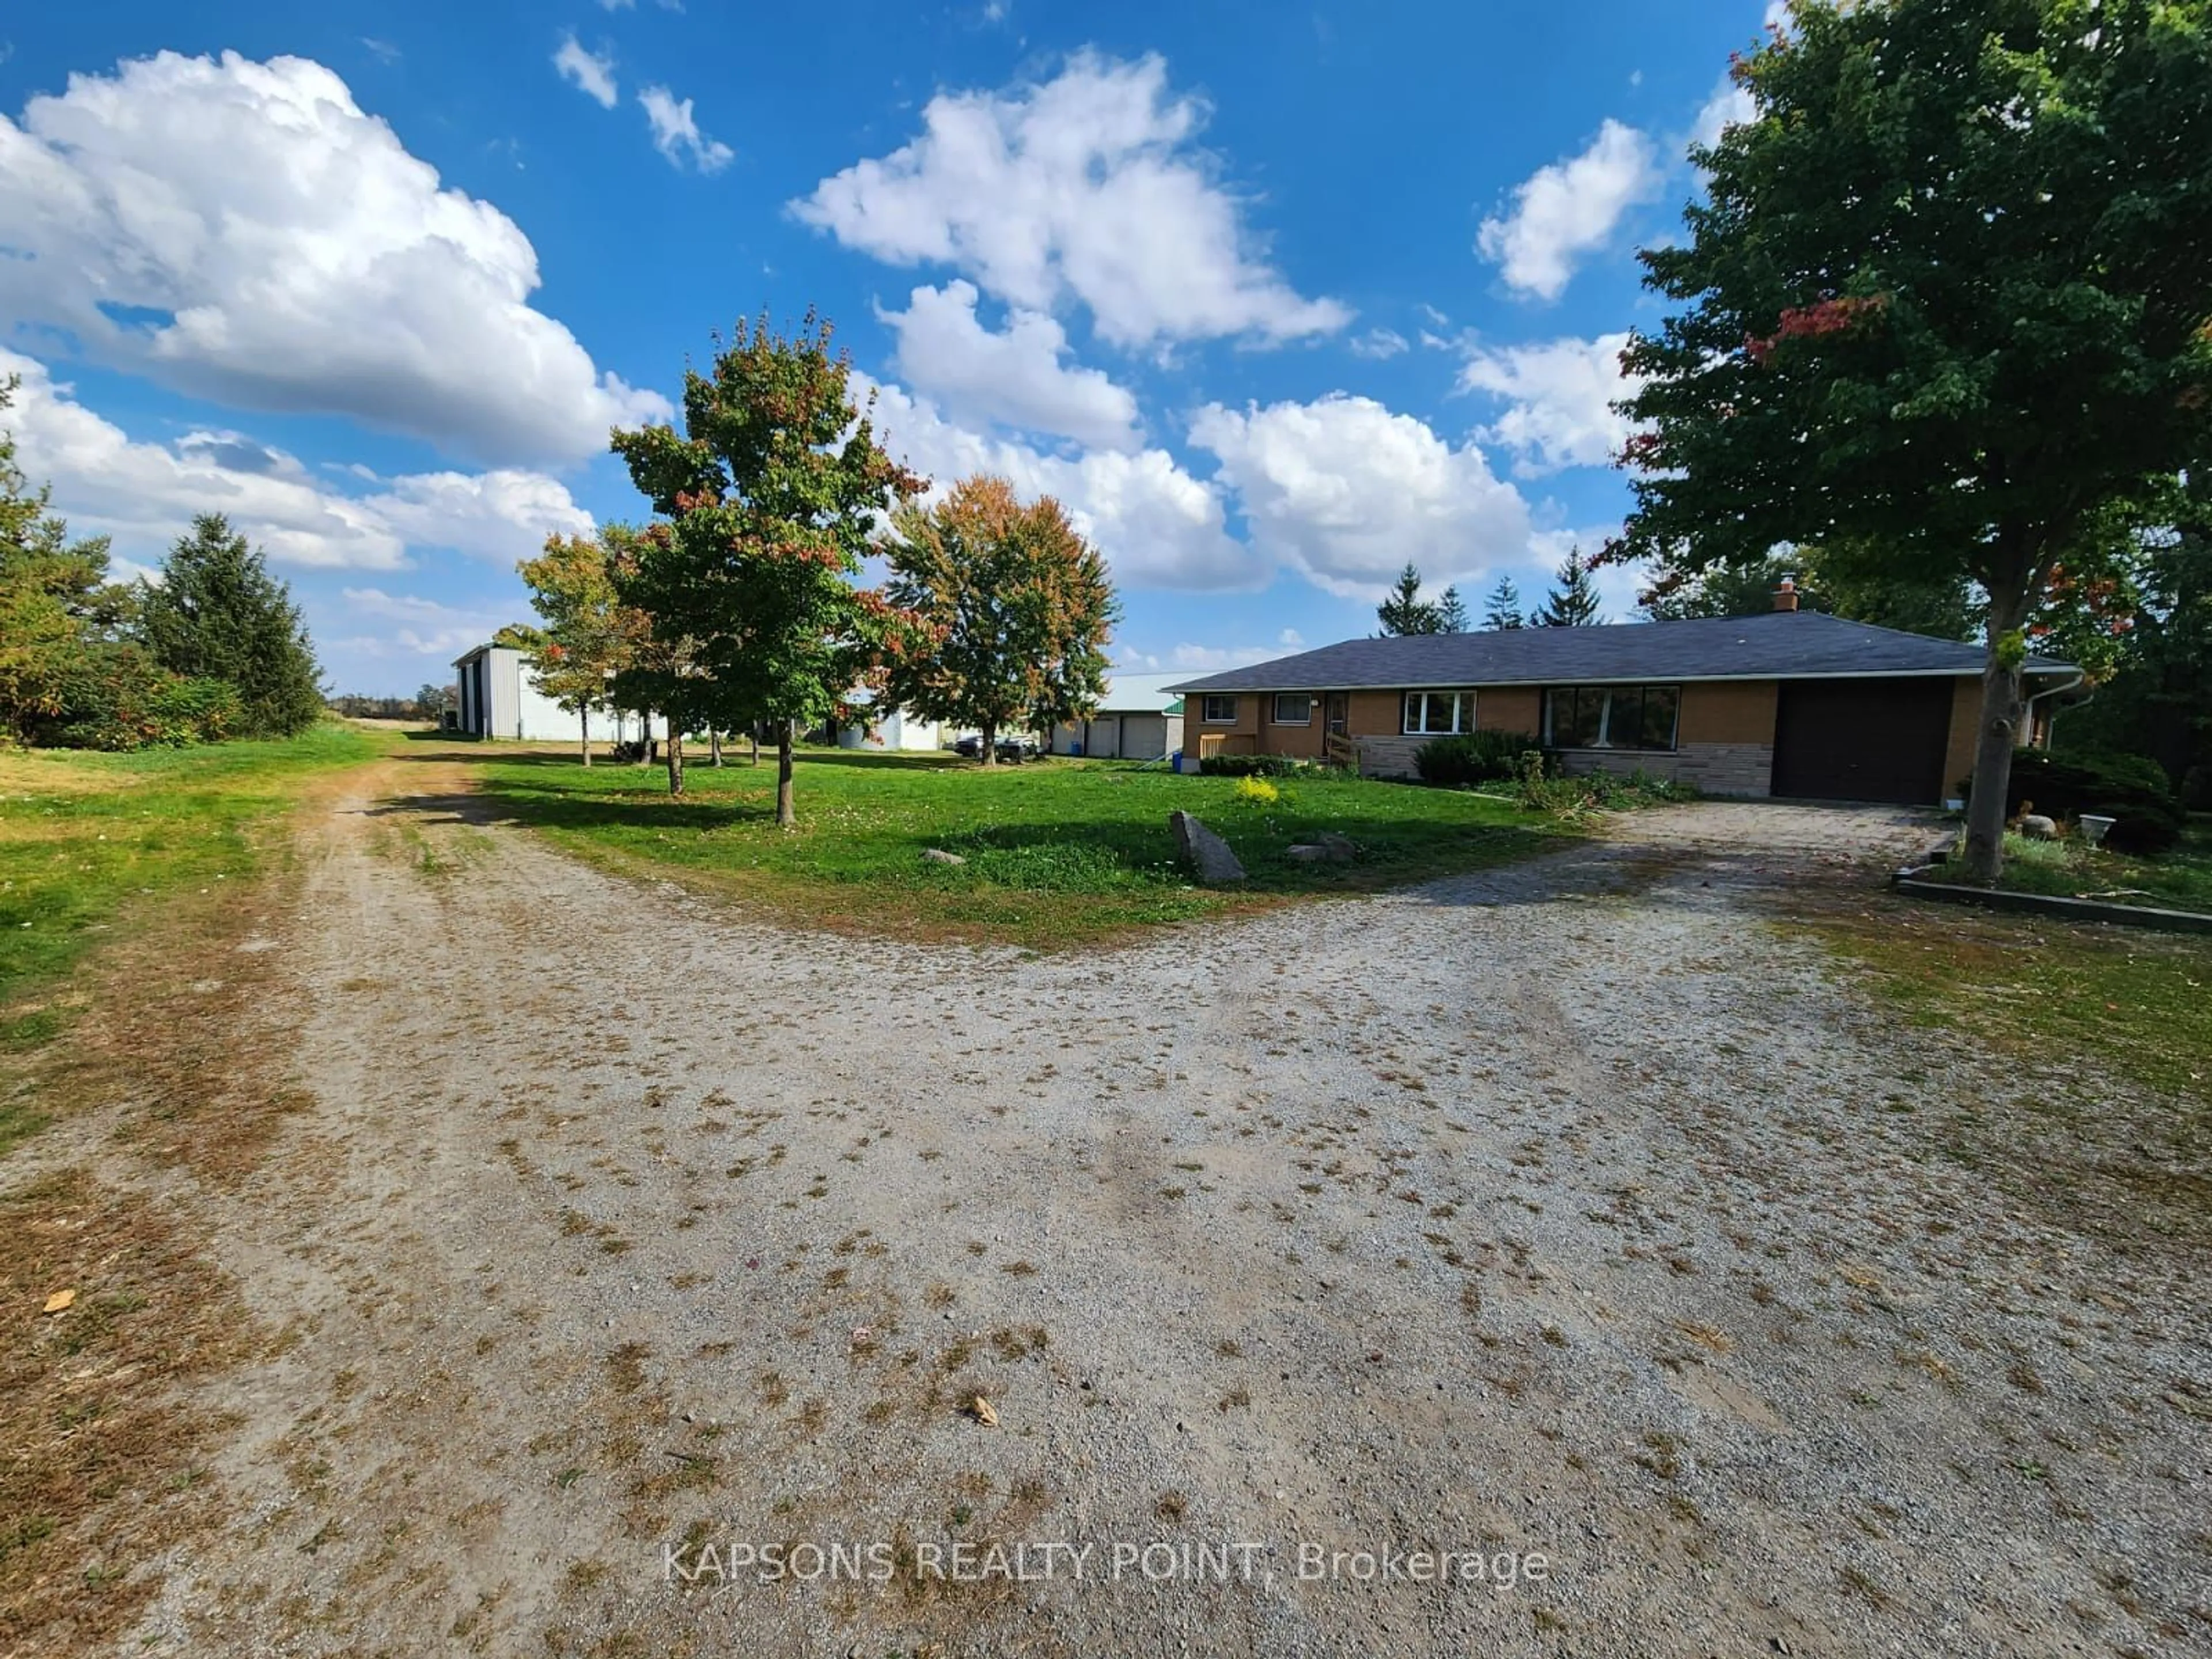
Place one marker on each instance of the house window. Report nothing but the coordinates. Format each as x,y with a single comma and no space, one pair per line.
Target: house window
1216,710
1293,708
1612,716
1438,713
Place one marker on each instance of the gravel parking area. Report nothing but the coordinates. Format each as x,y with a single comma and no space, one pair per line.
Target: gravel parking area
1568,1219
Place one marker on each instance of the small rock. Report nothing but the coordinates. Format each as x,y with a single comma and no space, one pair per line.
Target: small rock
2036,827
1338,849
938,855
1305,855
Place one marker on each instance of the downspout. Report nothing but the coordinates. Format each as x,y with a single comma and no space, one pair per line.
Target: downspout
2080,675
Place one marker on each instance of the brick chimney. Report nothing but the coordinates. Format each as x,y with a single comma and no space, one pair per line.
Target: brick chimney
1785,596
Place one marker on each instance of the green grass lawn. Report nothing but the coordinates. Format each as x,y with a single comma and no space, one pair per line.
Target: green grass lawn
1058,851
85,837
2178,879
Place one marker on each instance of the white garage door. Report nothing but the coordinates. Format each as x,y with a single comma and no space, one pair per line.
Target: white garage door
1143,737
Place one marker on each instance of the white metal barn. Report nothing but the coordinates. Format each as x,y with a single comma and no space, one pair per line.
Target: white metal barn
499,699
1137,719
899,729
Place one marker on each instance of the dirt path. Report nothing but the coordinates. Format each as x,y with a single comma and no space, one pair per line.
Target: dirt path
1566,1210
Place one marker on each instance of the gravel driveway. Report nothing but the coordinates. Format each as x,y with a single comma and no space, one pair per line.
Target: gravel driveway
1570,1220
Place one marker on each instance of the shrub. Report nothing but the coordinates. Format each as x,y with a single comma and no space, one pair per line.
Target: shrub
1471,757
1256,792
1249,766
116,697
2134,793
1543,784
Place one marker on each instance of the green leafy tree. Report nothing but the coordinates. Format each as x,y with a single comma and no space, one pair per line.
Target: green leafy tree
2155,631
218,614
589,635
432,702
767,499
1014,609
1405,612
662,668
1945,302
1572,602
1503,608
58,607
1451,613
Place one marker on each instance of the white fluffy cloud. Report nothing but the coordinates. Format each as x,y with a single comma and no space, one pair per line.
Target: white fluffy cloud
1559,397
1087,186
593,73
1347,492
1379,343
1728,105
243,232
1157,525
144,495
1016,377
1568,210
676,132
424,627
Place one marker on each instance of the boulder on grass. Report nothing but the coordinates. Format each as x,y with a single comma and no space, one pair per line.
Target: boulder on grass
2036,827
1338,849
1305,855
1205,854
938,855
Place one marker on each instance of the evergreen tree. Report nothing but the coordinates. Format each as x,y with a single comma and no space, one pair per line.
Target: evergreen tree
1503,608
217,614
58,608
1451,613
1573,602
1405,612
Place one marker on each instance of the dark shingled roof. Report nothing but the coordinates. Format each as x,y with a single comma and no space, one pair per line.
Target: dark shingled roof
1779,644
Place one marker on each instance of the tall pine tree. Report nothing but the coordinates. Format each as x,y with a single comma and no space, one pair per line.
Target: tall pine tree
1573,602
1405,612
1503,608
217,614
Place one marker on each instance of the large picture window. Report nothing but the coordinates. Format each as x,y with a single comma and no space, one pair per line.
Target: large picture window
1218,710
1438,713
1612,716
1293,708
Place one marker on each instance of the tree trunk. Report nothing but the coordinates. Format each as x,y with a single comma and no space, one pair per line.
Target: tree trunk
2002,707
752,736
644,737
990,756
675,762
714,746
583,727
786,811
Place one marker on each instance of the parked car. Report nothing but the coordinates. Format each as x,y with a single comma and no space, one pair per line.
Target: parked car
1013,746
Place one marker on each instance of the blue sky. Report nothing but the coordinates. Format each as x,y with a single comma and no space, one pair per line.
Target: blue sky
1273,298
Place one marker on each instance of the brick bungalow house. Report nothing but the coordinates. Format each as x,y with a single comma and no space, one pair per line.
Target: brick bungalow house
1791,703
